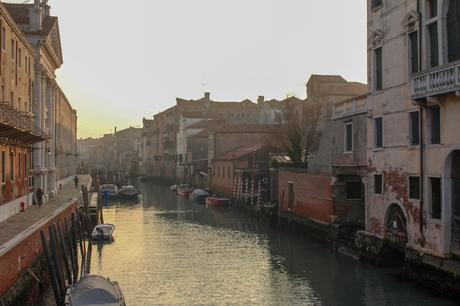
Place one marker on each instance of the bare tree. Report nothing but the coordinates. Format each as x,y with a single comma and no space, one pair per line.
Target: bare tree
298,132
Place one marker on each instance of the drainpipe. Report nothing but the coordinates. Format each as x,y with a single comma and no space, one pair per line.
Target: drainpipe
422,137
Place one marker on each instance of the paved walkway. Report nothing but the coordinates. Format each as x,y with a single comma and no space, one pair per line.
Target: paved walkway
16,224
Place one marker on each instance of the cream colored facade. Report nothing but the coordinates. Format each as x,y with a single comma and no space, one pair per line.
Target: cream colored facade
18,135
419,108
55,158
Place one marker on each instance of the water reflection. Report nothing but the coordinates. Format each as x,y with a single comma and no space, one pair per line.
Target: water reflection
174,251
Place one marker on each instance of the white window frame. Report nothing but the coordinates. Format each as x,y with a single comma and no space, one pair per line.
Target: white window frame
345,143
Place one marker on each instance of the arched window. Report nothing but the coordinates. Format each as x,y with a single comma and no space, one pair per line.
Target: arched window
453,30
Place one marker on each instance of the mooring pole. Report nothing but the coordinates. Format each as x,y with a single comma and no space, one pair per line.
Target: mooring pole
65,256
51,271
56,260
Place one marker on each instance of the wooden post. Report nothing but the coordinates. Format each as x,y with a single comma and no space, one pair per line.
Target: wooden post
74,241
69,244
51,270
57,261
65,256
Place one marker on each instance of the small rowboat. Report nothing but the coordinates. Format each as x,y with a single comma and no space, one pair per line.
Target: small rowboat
184,191
215,201
93,290
199,195
103,231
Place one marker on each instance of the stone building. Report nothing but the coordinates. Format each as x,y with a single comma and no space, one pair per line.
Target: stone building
146,149
413,148
41,31
169,127
18,133
331,189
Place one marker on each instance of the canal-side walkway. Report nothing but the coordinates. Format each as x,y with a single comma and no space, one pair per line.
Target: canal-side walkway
20,222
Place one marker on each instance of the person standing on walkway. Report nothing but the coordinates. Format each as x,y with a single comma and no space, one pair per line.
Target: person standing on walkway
76,181
39,194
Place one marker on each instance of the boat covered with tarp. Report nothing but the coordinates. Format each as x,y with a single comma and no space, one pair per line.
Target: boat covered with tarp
94,290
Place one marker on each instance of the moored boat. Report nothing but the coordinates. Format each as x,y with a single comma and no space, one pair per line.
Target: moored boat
184,191
103,231
128,192
173,188
199,195
109,191
94,290
216,201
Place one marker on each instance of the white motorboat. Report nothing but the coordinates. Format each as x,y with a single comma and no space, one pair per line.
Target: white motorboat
128,192
93,290
103,231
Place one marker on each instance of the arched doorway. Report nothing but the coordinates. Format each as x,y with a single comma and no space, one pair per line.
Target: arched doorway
455,177
396,226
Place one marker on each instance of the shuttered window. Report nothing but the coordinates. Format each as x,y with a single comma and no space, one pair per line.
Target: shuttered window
434,47
453,30
413,42
414,129
378,132
435,125
433,7
435,183
414,187
349,137
378,69
378,184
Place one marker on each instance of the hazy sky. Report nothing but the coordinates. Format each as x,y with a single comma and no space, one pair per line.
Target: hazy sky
124,60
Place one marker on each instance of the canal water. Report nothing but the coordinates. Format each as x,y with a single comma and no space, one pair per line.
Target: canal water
171,251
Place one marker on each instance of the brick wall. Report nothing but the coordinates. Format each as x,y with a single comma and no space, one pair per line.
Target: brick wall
24,253
312,194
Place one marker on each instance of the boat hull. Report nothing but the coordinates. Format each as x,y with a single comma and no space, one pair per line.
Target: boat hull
217,202
184,193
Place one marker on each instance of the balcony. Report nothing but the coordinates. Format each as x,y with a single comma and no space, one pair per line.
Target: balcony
17,127
437,81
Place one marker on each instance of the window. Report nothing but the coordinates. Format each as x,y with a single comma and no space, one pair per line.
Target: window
354,190
453,28
218,171
228,174
349,137
433,8
378,184
19,57
11,98
414,187
11,166
434,121
414,128
13,52
375,3
378,72
413,51
434,48
19,166
3,167
3,38
435,183
378,132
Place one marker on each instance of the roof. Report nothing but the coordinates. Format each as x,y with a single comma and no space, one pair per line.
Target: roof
245,128
205,124
279,104
241,152
19,12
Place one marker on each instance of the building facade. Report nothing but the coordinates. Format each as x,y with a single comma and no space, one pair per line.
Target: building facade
18,134
413,148
41,31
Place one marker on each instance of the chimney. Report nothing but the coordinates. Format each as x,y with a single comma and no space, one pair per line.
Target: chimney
35,15
260,100
46,8
207,99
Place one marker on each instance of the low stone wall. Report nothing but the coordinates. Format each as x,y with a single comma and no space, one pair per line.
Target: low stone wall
13,207
23,252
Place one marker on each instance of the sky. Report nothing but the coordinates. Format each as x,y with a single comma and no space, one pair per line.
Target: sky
125,60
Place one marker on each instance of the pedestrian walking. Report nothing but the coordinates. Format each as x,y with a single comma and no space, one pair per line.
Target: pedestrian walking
39,194
76,181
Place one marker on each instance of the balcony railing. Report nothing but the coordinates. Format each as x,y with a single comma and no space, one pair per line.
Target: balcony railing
16,126
437,81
